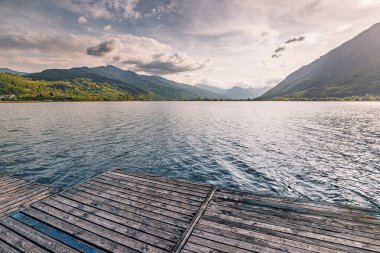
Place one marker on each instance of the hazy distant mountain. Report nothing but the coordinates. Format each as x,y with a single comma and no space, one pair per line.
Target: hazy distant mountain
236,92
7,70
352,69
129,81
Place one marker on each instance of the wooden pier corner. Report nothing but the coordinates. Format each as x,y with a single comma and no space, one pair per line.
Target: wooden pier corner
128,212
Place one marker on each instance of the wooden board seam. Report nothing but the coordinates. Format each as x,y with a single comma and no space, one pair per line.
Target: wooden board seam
186,234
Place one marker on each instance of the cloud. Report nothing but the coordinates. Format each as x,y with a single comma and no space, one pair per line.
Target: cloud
107,28
283,48
236,35
279,49
44,43
108,9
116,58
82,20
103,48
166,63
301,38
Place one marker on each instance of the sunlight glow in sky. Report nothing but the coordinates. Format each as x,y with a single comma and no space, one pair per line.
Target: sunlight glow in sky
215,42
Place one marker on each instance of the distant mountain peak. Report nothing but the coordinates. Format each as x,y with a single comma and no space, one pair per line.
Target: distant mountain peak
112,67
236,92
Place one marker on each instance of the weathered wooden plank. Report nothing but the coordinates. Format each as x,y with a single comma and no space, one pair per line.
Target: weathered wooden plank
157,184
26,202
298,201
261,204
294,227
4,179
134,197
170,216
345,213
25,196
9,185
333,220
127,183
16,193
169,180
300,242
182,240
121,210
159,196
301,205
55,234
77,231
191,247
112,225
146,200
107,233
35,236
354,227
235,235
19,193
229,245
188,251
13,188
334,223
19,242
6,248
258,239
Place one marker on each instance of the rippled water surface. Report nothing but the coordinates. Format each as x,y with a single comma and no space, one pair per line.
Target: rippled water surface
323,150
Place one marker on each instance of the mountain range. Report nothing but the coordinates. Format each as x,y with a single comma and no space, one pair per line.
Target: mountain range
128,81
236,92
122,83
350,70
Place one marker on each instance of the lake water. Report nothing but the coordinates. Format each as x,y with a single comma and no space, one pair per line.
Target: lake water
317,150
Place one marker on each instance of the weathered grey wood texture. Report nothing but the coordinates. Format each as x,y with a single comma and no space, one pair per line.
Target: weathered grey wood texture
113,212
126,212
244,222
16,194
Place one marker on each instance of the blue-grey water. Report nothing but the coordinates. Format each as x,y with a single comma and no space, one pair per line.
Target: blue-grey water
317,150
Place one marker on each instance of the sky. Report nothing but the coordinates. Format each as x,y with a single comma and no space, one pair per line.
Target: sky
250,43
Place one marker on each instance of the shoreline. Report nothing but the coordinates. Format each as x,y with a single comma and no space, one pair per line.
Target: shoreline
97,101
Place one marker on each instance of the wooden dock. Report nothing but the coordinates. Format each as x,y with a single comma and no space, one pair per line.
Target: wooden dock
16,194
124,212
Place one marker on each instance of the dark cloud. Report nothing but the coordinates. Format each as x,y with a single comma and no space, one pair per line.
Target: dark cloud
116,58
279,49
103,48
282,48
301,38
163,63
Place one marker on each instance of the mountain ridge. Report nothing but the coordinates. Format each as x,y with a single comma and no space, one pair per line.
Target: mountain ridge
351,69
236,92
129,81
11,71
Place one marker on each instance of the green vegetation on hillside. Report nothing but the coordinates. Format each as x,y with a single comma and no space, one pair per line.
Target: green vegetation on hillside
129,81
14,87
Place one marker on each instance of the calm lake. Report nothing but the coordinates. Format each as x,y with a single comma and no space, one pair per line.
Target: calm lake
317,150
